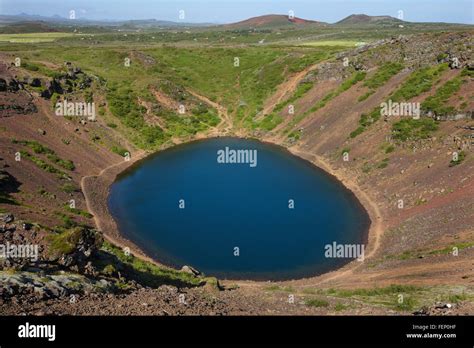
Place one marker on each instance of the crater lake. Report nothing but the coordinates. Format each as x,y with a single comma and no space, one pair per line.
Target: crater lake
263,214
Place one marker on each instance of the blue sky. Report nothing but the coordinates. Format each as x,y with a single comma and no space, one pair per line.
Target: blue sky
225,11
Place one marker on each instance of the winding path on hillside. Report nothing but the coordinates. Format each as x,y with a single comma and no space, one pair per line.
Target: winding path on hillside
139,155
226,121
285,89
96,189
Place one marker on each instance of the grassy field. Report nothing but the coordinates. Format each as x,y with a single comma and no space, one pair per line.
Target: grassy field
34,37
231,69
238,78
395,297
332,43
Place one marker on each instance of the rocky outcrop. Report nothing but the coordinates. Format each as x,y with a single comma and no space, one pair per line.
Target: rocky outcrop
73,79
17,108
66,82
437,309
10,85
7,218
190,270
454,117
14,99
51,87
71,249
35,285
74,248
143,58
3,85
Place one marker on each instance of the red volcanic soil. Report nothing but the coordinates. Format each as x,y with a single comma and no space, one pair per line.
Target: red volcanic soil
272,21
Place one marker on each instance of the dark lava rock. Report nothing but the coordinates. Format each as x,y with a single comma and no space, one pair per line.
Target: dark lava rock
34,82
54,86
3,85
8,218
46,94
13,86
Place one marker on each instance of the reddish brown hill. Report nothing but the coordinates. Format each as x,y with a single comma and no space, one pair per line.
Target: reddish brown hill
363,19
273,21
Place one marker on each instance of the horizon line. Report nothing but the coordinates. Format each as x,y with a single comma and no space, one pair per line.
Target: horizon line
56,16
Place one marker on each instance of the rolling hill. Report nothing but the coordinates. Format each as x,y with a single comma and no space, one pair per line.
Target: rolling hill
363,19
274,21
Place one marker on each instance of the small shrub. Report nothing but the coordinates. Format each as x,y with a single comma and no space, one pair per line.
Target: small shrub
69,188
389,149
461,158
65,242
314,302
383,74
79,212
109,270
340,307
383,164
411,129
119,150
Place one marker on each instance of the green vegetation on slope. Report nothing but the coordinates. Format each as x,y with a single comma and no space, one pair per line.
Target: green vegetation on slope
50,154
148,273
438,102
123,104
415,254
239,78
299,92
273,120
316,302
381,76
270,122
365,121
121,151
411,129
399,297
65,242
418,82
43,165
235,76
348,83
460,158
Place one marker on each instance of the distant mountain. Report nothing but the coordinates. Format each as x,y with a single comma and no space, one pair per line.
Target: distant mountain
362,19
273,21
24,17
62,21
24,23
153,23
27,27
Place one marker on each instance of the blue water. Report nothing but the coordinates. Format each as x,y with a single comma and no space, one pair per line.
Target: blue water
235,205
